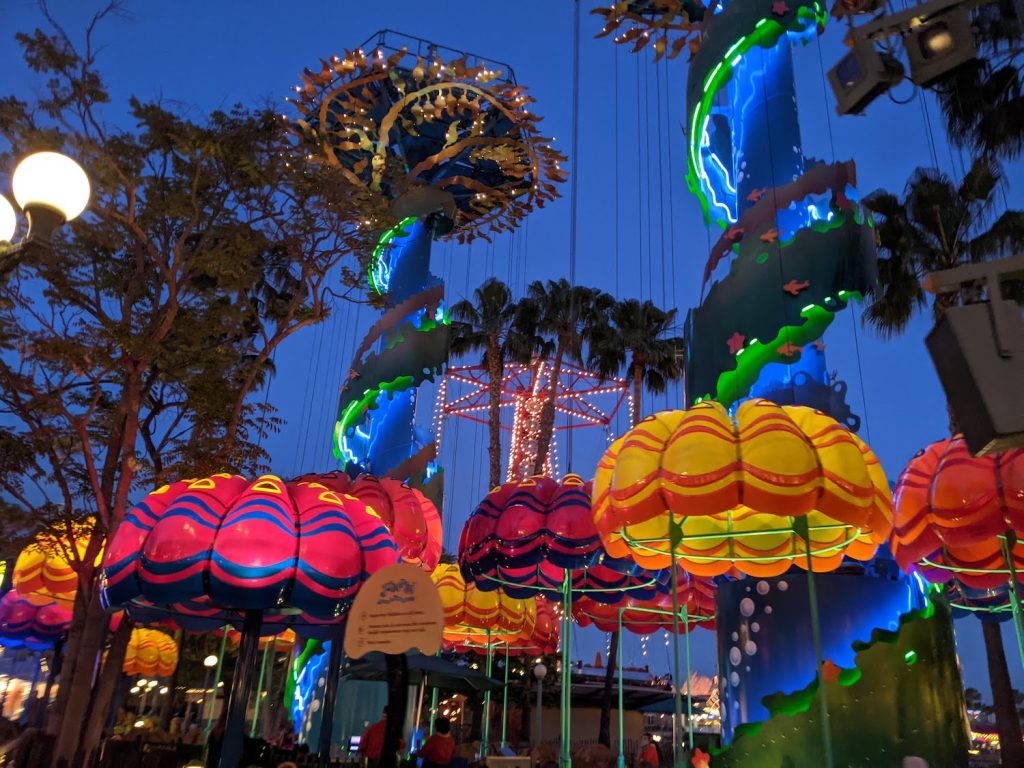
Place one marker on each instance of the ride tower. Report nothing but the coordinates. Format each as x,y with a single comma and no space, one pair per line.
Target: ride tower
855,667
443,144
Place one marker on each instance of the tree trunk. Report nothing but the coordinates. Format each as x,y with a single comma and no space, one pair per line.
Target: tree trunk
105,688
604,732
638,390
1011,749
398,699
547,415
495,369
79,685
69,658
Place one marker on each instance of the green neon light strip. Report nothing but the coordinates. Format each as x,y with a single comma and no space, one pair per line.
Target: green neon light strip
734,384
355,411
765,33
645,544
385,240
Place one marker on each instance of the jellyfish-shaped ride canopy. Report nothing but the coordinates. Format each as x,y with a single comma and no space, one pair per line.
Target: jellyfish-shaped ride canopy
411,517
262,554
750,494
958,521
537,537
754,494
24,624
150,653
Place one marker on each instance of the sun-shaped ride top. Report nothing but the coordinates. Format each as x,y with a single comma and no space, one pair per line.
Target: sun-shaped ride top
413,126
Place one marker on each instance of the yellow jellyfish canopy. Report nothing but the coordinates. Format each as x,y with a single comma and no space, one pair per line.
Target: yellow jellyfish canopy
747,494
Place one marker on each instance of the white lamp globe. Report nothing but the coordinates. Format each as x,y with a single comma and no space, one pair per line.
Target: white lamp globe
51,180
540,671
8,220
210,661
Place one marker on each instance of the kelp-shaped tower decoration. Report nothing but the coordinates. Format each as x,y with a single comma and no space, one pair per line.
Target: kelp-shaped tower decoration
447,147
795,247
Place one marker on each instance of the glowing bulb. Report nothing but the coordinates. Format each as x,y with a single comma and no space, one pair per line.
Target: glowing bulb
51,180
210,661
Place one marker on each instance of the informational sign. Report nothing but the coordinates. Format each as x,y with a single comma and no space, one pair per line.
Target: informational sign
396,610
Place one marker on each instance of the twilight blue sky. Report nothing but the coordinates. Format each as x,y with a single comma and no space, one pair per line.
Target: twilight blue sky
640,232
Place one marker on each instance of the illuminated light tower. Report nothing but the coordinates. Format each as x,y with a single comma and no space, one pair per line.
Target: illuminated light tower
582,399
444,145
795,247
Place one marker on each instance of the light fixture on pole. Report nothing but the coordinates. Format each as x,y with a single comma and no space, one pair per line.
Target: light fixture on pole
539,672
862,75
51,189
938,39
209,662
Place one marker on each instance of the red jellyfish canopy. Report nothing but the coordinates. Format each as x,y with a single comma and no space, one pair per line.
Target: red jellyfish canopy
410,516
951,511
524,537
205,550
645,617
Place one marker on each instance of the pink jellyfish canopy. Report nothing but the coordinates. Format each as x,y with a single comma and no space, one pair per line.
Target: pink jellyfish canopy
207,550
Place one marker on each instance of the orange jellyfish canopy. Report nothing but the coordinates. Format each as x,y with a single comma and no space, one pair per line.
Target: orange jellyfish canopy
950,510
473,618
150,653
733,493
45,571
646,616
284,641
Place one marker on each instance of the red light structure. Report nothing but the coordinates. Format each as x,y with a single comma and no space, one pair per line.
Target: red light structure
582,399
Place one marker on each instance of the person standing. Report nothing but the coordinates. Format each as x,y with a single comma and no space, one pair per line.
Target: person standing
438,750
649,757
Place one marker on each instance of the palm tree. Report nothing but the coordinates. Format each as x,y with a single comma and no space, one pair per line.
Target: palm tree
937,225
983,101
562,318
633,335
488,323
940,225
636,336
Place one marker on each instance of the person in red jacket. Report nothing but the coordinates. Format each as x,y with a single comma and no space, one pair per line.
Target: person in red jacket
649,753
437,751
372,742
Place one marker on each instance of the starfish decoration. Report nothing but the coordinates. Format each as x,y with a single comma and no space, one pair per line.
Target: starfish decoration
757,194
700,759
830,671
819,345
734,234
735,342
771,236
793,287
779,8
789,349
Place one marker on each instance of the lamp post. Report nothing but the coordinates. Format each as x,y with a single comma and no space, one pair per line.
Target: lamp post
51,189
539,672
209,662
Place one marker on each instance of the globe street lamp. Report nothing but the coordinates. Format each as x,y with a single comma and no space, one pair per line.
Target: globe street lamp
539,672
51,189
209,662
